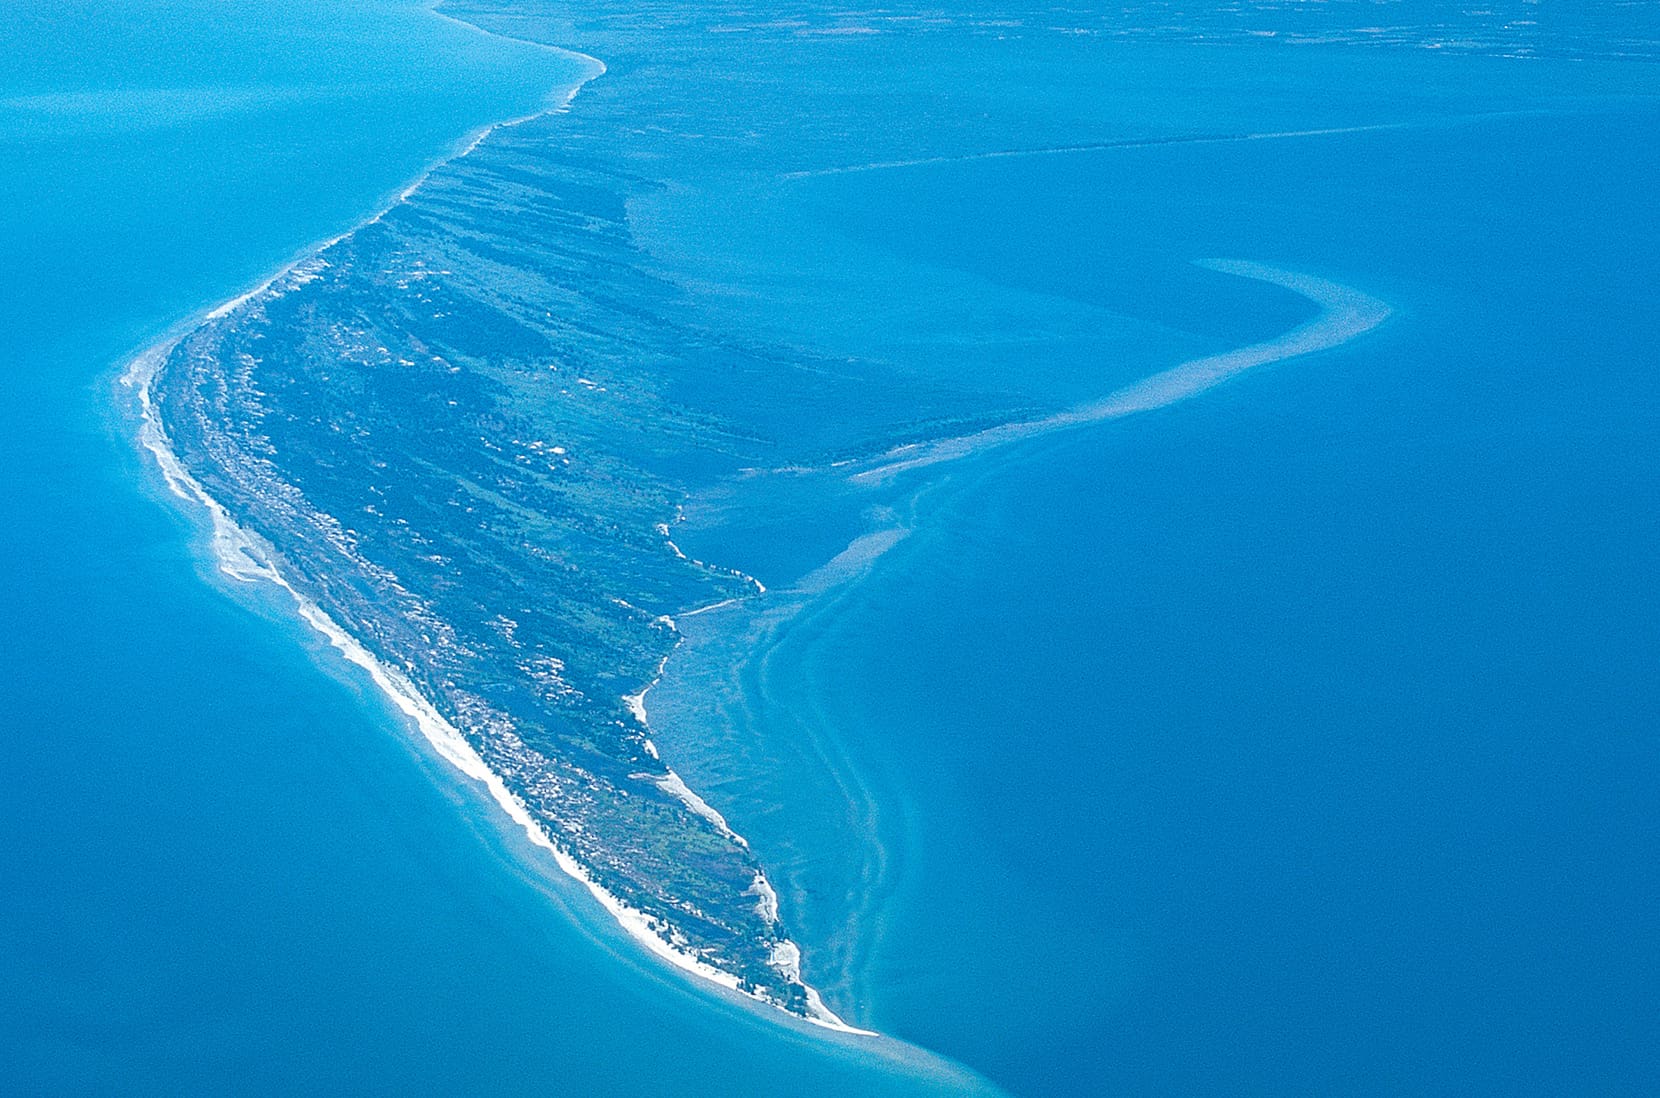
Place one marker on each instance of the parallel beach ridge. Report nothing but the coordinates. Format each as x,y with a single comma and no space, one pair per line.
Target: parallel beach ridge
454,436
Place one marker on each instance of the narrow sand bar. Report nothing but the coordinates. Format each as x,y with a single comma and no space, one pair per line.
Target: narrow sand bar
1345,313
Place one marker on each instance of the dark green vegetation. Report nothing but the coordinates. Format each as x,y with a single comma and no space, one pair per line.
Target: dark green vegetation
458,429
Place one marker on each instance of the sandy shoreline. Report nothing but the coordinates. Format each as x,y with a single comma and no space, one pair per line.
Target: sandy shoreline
242,556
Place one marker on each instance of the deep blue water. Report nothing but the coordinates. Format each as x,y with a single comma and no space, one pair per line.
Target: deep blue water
1298,738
